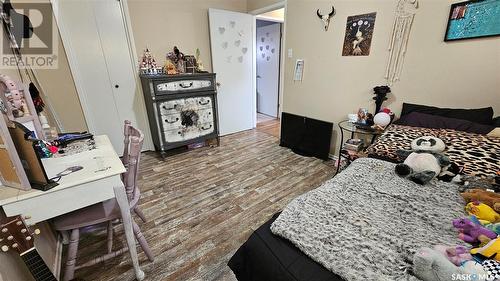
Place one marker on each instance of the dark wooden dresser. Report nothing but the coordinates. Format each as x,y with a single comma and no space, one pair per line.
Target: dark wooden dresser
182,109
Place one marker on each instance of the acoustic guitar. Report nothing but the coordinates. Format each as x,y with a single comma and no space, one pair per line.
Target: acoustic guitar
14,234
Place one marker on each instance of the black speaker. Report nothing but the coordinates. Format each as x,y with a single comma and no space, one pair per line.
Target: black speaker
306,136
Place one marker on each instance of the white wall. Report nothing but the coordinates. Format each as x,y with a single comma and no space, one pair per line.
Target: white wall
455,74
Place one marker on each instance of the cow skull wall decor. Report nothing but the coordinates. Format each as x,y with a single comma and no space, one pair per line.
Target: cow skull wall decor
326,18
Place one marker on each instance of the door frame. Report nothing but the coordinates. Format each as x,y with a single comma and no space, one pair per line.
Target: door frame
75,69
272,7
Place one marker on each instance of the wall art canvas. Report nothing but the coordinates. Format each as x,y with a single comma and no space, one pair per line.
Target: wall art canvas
473,19
358,35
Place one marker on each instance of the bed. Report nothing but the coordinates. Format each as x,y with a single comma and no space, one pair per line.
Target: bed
270,257
478,154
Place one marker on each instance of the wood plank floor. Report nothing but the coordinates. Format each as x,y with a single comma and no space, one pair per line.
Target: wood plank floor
203,204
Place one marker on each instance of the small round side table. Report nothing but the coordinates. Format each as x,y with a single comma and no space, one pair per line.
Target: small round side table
349,127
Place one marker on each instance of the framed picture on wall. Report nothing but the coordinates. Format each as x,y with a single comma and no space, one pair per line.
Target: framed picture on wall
473,19
358,35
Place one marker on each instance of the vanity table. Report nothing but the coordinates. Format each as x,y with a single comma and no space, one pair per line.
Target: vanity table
98,180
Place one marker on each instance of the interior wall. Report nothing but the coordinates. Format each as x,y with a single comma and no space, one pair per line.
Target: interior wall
59,87
253,5
161,25
454,74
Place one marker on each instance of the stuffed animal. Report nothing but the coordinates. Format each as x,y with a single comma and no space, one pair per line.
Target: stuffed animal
424,162
451,173
490,250
471,232
431,265
457,254
482,212
489,198
495,227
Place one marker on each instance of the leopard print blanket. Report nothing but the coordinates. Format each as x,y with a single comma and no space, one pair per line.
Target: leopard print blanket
479,155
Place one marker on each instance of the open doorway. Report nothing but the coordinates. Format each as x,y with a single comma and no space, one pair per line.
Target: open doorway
269,30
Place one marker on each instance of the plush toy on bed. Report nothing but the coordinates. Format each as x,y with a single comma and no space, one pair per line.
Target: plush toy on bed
489,198
483,212
471,232
424,161
431,265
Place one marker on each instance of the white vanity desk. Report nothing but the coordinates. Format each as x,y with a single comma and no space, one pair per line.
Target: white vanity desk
98,181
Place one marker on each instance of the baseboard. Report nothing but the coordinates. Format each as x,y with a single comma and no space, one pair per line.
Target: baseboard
333,157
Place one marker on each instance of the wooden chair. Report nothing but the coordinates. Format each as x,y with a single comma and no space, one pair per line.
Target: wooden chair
108,211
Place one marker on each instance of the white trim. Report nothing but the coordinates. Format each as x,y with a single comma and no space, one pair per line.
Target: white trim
269,8
254,71
275,6
74,67
270,19
284,57
148,141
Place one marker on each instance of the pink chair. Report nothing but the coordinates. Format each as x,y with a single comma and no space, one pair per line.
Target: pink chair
108,211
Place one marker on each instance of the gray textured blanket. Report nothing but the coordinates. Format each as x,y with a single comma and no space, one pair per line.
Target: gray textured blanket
366,223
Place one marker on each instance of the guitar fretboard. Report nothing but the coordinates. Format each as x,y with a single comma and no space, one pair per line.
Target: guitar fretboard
37,266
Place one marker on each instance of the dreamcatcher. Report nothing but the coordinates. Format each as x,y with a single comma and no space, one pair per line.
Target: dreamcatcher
405,13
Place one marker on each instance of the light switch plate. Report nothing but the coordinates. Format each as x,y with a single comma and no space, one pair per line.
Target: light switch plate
290,53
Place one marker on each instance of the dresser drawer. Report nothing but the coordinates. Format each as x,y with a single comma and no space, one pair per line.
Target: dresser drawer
175,121
184,85
188,133
178,105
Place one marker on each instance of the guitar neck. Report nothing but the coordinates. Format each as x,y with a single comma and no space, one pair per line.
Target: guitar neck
39,270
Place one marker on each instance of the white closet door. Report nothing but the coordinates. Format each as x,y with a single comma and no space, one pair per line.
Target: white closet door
232,40
96,42
268,68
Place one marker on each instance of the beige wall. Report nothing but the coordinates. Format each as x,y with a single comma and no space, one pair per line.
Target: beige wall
59,86
253,5
455,74
160,25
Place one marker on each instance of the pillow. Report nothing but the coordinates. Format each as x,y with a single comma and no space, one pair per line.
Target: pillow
417,119
496,121
480,115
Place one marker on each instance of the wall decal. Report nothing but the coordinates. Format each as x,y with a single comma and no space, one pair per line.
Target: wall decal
244,50
232,24
224,45
263,55
262,39
240,59
473,19
405,13
237,43
358,35
268,58
261,48
222,30
267,47
273,50
241,33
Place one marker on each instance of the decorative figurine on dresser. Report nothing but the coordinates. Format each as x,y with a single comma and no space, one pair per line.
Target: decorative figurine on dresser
182,109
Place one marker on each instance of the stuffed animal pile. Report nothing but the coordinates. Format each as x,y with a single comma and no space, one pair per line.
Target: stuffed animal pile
481,230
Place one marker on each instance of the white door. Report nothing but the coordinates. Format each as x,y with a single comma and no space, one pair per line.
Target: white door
232,41
268,68
94,35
